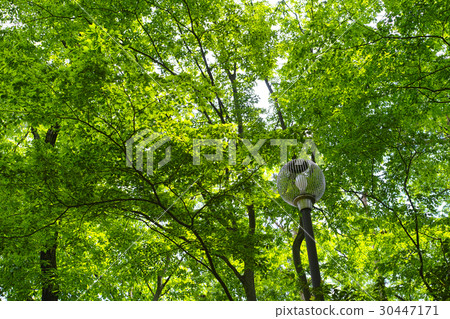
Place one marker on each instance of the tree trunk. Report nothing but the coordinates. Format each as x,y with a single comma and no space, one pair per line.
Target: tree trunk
48,270
248,278
277,106
248,281
159,288
303,282
47,258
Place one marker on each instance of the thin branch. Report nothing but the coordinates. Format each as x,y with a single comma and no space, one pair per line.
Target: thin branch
40,228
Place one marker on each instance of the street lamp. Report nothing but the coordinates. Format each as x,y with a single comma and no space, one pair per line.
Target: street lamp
301,183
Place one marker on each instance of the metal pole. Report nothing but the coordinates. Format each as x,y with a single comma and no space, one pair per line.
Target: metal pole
312,253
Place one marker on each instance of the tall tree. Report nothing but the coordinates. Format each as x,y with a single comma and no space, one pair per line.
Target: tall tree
365,81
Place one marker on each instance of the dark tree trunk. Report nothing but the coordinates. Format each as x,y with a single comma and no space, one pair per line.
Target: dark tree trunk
47,257
159,289
48,270
277,106
248,281
303,282
248,278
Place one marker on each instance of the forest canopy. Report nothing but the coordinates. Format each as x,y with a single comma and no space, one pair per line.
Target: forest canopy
364,82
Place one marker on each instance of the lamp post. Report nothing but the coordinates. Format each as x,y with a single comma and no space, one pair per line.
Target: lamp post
301,183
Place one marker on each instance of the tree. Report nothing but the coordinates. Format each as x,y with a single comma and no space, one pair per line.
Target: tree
369,89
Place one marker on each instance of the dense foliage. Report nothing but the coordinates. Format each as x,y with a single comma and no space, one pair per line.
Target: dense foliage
367,81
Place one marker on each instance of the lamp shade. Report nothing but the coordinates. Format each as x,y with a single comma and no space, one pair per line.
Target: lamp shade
299,178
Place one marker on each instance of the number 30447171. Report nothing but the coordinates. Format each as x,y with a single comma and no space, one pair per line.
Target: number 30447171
409,310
